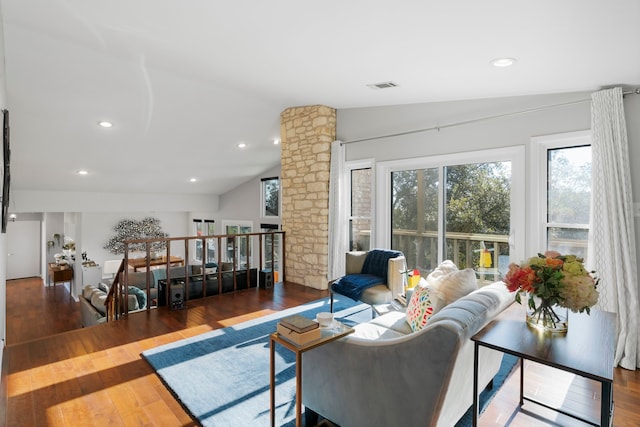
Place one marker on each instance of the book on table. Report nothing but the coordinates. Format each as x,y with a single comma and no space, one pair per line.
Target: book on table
297,337
298,323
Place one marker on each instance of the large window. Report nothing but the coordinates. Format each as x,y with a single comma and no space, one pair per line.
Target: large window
564,202
466,208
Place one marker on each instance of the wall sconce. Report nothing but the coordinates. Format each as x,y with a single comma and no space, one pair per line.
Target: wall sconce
13,217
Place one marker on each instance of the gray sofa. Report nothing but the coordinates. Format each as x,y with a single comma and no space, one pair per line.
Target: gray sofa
92,304
387,375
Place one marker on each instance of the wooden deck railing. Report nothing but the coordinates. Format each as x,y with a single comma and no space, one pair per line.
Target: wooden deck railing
117,300
421,249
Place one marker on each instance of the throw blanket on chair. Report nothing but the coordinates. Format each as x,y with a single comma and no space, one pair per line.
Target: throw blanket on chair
374,272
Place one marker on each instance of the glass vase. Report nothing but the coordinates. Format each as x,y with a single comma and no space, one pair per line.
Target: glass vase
546,316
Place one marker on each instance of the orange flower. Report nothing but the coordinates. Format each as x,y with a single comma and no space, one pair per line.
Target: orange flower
554,262
520,278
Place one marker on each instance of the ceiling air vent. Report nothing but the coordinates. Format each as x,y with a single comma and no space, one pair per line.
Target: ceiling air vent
383,85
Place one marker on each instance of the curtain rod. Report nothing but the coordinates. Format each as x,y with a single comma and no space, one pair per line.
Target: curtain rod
481,119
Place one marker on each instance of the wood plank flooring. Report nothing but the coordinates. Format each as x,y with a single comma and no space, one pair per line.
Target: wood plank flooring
53,375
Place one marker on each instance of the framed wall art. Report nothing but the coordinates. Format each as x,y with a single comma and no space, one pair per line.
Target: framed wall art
6,172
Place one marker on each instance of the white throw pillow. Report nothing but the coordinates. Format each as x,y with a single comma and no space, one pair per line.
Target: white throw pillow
452,286
441,270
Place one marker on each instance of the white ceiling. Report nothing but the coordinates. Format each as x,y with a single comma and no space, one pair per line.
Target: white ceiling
185,81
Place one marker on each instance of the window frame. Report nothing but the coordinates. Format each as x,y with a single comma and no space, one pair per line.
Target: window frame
513,154
538,165
263,197
349,167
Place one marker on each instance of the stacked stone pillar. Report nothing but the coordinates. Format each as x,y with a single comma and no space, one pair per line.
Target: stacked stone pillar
306,136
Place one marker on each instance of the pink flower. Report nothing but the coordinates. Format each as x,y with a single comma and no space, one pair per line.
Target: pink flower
552,254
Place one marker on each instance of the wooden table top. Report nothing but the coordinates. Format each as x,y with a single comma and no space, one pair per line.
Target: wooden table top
587,349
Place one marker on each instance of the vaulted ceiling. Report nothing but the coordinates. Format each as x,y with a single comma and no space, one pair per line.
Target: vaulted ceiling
184,82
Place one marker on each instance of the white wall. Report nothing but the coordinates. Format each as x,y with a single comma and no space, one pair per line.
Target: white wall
243,203
65,201
97,229
360,123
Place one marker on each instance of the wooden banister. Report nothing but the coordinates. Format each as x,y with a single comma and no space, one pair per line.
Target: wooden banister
117,299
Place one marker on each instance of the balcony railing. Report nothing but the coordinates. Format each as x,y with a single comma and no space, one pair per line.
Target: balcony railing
464,249
238,251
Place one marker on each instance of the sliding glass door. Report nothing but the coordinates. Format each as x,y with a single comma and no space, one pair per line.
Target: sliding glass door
463,208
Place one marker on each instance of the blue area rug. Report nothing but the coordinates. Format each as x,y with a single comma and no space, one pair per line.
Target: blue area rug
222,377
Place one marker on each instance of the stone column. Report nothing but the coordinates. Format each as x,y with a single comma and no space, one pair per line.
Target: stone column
306,135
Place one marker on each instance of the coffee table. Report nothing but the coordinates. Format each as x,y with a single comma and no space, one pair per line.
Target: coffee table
587,349
338,330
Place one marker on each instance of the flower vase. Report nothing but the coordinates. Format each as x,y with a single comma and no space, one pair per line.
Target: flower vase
546,316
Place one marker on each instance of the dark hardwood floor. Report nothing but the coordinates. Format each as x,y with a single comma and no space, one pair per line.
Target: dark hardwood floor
56,375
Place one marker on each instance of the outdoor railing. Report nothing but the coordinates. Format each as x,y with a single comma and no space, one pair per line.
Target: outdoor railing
464,249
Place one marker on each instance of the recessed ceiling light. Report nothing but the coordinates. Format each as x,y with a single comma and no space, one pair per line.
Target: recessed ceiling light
83,172
276,141
242,145
192,179
503,62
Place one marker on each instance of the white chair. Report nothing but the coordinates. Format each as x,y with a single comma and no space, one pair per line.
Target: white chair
109,269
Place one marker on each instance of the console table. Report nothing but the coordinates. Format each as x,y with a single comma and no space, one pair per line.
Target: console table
59,274
587,350
137,263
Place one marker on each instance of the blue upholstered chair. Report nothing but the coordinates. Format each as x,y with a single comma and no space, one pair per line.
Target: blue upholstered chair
373,277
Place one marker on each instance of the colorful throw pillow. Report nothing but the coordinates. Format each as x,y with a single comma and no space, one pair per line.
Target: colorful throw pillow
419,309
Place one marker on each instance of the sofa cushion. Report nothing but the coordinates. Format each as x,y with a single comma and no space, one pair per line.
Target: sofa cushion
378,294
419,308
98,299
373,331
452,286
103,287
354,262
137,279
394,320
87,291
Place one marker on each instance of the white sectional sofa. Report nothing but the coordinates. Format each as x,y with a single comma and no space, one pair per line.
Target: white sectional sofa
385,374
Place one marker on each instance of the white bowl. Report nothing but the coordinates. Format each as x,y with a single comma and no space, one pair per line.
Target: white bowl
325,318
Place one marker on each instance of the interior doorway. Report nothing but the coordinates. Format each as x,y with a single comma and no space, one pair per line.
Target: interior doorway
23,249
